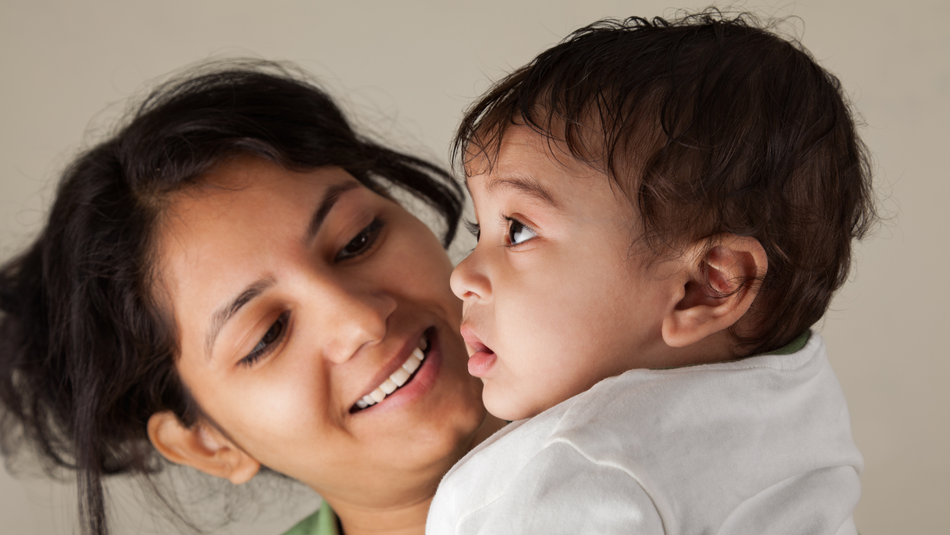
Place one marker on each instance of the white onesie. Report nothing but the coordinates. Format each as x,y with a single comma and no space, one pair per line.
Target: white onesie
755,446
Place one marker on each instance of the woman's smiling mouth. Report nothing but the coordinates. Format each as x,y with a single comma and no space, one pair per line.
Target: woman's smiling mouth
398,378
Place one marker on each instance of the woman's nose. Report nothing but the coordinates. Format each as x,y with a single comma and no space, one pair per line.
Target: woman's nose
469,281
355,319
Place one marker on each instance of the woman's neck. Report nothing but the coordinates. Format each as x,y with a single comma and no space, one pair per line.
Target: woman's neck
408,518
405,520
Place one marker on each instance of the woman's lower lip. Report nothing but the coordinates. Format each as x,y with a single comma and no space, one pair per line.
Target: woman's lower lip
480,363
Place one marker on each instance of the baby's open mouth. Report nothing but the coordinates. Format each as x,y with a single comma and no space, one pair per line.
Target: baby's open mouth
482,358
398,378
480,348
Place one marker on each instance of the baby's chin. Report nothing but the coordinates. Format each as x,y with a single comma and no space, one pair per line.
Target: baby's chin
507,405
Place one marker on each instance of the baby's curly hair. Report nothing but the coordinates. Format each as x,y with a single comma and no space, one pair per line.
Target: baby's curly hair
709,124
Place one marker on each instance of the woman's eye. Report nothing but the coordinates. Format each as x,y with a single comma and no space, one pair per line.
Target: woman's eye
518,232
268,342
363,241
474,228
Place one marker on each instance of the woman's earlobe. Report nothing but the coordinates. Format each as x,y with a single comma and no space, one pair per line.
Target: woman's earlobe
201,447
721,279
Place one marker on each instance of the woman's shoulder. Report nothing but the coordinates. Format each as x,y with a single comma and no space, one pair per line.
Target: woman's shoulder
322,522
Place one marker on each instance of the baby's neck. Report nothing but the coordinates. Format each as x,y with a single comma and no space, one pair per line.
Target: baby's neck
717,347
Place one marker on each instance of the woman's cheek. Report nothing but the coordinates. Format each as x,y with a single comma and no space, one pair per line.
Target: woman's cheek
279,412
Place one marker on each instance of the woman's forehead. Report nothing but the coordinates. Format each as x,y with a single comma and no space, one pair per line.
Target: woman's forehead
263,177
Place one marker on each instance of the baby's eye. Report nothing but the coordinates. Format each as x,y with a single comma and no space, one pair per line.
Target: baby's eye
362,242
268,342
518,232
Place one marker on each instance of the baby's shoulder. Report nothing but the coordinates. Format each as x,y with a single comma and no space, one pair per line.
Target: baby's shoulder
647,413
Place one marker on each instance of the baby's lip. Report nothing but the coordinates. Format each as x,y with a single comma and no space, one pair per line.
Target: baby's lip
481,359
472,339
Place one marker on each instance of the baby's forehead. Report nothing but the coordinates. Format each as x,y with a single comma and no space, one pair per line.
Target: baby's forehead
525,185
522,150
529,177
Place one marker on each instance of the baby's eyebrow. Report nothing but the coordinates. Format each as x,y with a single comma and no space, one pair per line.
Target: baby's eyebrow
528,185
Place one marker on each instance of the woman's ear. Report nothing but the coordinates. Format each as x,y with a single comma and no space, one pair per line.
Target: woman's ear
200,446
721,277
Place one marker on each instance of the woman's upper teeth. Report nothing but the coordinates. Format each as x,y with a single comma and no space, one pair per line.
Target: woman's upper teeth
397,378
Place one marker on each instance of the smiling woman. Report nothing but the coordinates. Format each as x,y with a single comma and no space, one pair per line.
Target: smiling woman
227,282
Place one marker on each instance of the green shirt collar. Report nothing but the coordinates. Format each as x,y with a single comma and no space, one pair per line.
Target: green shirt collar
794,346
323,522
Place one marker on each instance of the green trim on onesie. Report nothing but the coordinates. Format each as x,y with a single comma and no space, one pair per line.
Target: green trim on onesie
794,346
323,522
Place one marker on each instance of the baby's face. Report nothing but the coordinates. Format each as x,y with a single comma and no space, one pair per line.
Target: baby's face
555,298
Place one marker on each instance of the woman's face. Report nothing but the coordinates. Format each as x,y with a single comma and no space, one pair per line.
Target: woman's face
295,296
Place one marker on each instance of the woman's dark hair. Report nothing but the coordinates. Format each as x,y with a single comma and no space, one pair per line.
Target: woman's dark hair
87,355
709,125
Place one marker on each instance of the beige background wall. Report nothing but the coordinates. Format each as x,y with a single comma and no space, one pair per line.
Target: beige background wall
409,68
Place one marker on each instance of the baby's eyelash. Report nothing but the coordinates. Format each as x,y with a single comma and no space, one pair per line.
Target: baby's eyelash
474,228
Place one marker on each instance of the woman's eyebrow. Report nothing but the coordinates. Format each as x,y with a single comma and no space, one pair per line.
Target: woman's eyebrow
223,314
323,209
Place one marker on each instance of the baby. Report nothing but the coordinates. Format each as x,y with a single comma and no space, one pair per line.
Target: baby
664,210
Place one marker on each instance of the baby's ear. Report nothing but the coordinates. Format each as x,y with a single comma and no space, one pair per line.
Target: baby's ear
721,277
200,446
